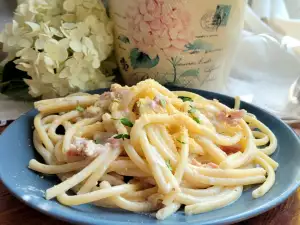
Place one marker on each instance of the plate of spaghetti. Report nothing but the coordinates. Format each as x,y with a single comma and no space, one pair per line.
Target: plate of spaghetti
148,154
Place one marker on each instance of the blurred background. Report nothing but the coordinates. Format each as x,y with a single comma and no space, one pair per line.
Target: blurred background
6,11
266,68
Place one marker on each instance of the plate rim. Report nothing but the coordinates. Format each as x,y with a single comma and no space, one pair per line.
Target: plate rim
85,219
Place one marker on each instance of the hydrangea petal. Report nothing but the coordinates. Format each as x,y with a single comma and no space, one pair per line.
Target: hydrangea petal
69,5
55,51
40,37
65,73
68,26
69,18
55,32
64,43
11,41
15,28
39,44
48,61
25,43
76,45
89,3
35,27
96,63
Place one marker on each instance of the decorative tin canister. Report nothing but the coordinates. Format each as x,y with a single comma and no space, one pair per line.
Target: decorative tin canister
188,43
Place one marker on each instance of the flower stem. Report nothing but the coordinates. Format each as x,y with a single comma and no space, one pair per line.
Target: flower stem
175,73
175,61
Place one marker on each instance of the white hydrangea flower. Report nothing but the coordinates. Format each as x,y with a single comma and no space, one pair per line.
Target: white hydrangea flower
60,44
56,51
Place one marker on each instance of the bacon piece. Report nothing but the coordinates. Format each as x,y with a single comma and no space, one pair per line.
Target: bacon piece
104,101
213,165
231,149
92,111
149,180
232,118
102,137
160,100
87,148
157,99
73,153
106,96
210,165
153,105
157,104
115,143
196,163
237,114
124,95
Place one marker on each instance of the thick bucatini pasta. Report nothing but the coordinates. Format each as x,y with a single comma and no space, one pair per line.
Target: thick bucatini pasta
147,149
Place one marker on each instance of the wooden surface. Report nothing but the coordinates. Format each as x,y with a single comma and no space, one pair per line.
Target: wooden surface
14,212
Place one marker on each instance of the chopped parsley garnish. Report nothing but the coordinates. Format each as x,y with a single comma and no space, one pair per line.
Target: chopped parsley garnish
163,102
79,108
185,99
122,136
116,100
181,142
97,141
192,110
168,163
126,122
197,120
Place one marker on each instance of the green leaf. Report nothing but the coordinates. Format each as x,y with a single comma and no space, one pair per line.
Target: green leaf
191,73
181,142
124,39
168,163
142,60
197,120
198,45
79,108
126,122
122,136
185,99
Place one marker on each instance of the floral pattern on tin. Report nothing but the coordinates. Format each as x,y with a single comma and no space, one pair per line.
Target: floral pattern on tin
124,64
156,26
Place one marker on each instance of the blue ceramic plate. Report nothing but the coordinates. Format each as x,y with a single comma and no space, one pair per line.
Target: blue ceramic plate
16,150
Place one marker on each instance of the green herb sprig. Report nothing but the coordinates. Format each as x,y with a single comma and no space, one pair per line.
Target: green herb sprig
122,136
185,99
168,163
197,120
181,142
126,122
79,108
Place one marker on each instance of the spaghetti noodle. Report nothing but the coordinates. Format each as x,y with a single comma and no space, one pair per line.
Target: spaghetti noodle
145,148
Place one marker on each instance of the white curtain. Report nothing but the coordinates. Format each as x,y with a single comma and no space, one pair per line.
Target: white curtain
267,66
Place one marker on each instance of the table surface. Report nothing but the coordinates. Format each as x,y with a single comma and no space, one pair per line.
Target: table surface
14,212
